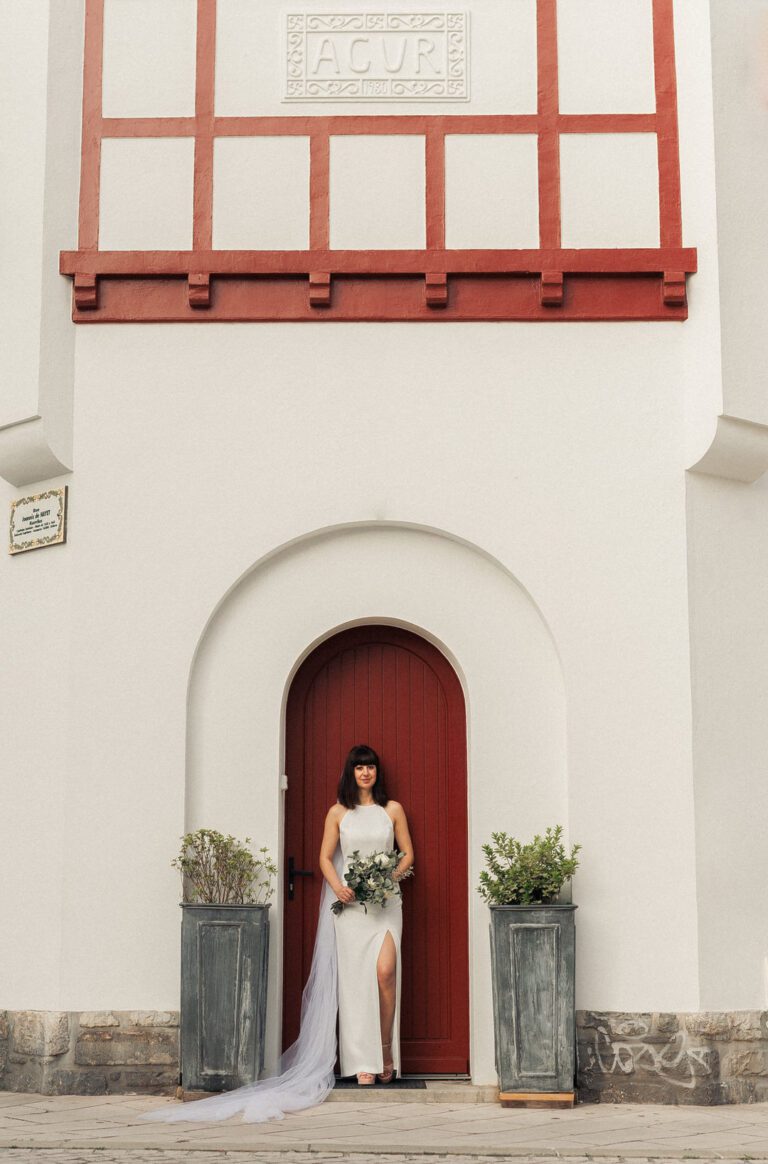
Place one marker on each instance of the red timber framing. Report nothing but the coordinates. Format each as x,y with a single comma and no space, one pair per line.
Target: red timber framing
433,284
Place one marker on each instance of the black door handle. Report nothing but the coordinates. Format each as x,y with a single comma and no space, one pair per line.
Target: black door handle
294,872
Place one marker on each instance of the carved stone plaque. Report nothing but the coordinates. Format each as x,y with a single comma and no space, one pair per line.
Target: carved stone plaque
377,56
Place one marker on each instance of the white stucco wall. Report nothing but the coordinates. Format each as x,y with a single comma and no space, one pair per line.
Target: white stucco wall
24,64
200,450
517,493
35,683
41,49
727,523
740,76
728,536
40,96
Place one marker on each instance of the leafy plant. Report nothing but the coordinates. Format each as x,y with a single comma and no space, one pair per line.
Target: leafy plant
519,874
219,870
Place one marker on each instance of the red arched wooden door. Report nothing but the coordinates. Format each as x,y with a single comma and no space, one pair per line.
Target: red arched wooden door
393,690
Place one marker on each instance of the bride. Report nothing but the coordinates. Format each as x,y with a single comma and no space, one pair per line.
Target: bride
367,942
355,969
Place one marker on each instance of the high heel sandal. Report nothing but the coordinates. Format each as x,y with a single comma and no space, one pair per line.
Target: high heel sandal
388,1074
365,1079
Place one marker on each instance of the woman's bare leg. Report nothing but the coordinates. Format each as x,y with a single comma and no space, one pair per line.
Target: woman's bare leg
386,970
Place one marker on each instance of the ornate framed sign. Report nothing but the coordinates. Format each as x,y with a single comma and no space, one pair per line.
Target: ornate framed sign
377,56
37,521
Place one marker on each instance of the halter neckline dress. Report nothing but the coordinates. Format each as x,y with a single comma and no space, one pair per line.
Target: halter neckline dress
359,937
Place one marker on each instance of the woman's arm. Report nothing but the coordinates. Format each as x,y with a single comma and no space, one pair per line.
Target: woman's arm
402,838
327,850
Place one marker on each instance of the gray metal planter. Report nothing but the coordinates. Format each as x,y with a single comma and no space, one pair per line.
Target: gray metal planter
533,953
224,955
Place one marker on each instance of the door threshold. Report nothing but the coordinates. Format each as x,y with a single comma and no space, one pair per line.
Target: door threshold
416,1089
450,1077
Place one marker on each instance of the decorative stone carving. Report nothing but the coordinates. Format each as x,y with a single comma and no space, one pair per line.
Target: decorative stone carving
377,56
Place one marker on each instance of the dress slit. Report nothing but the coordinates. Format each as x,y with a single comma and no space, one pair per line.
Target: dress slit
395,1032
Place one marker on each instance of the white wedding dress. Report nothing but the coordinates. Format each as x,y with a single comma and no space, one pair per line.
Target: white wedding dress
359,936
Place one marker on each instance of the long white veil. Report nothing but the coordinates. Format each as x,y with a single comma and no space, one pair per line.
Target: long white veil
306,1071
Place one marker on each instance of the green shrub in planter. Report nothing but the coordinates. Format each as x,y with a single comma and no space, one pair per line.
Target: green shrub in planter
519,874
219,870
533,959
224,958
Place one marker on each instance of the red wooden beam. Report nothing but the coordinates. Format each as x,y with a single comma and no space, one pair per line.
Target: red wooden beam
205,85
548,108
435,189
306,125
605,123
199,289
477,262
376,299
319,289
670,211
303,126
90,160
148,126
436,290
319,191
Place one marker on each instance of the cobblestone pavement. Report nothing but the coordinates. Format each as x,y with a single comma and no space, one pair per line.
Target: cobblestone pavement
161,1156
109,1130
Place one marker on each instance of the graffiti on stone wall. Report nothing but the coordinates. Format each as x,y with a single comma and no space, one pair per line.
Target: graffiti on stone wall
630,1046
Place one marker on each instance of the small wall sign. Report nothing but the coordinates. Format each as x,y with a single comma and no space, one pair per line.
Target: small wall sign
377,56
37,521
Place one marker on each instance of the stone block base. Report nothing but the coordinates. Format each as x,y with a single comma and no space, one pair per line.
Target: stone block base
653,1057
708,1058
89,1052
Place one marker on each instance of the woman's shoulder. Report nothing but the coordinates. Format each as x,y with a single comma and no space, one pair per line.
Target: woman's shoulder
394,808
336,811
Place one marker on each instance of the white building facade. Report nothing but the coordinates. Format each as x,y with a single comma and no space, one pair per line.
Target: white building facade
446,321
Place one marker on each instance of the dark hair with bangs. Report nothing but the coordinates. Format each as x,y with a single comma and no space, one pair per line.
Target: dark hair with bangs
349,793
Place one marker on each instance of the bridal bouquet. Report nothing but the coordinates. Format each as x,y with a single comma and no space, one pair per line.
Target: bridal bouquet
372,878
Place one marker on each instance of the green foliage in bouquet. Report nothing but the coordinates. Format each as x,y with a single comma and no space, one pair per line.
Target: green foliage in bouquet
372,878
520,874
219,870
